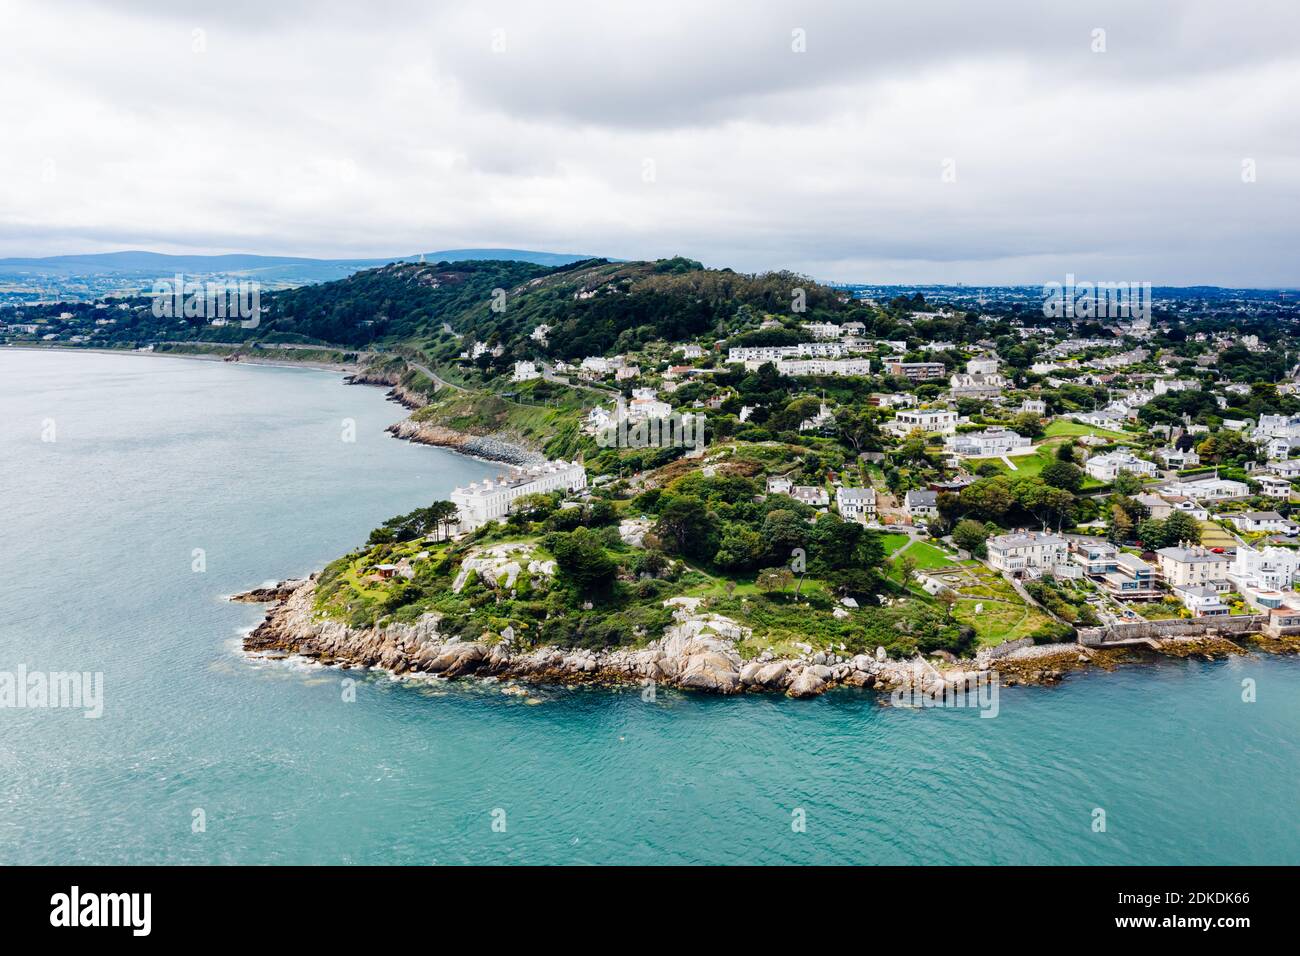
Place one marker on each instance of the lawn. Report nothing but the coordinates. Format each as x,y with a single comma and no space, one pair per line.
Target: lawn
892,542
926,555
1069,429
1029,466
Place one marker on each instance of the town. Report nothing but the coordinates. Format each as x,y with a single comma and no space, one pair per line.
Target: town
841,469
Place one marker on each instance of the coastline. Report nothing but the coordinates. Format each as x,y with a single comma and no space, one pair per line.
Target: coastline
689,656
343,368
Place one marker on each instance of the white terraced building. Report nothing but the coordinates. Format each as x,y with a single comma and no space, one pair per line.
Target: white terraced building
813,366
484,501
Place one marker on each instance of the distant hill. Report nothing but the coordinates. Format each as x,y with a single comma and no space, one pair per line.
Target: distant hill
590,306
274,270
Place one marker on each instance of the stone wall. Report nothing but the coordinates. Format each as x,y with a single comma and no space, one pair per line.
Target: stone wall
1181,627
1007,647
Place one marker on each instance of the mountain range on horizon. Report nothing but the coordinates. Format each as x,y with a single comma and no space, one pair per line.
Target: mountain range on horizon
289,270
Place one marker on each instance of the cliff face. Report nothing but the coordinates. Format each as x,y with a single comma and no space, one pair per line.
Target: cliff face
697,652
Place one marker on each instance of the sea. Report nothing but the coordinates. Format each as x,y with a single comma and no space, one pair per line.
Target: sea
138,492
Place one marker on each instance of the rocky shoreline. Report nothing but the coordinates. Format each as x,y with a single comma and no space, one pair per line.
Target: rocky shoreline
697,652
487,447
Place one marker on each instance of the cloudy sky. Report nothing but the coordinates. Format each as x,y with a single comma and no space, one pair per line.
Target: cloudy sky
1001,141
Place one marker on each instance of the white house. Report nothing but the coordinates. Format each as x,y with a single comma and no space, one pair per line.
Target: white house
1033,406
1207,488
1271,486
779,485
1027,552
1201,600
856,504
990,443
1268,568
1173,458
525,372
1108,467
929,420
1269,521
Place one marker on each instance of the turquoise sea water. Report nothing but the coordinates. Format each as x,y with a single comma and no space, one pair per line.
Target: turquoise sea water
155,457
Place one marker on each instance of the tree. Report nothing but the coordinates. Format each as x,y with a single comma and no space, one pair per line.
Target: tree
1121,525
784,531
741,548
988,498
907,565
686,526
1127,483
1063,474
774,579
1065,452
1181,527
581,560
970,536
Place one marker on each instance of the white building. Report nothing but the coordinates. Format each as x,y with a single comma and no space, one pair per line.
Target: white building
1027,552
1178,460
990,443
1271,486
940,421
1207,488
779,485
525,372
1201,600
484,501
1257,521
822,330
1108,467
816,366
1033,406
980,380
856,504
1268,568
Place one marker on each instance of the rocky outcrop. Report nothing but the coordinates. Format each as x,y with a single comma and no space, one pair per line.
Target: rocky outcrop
489,447
697,652
269,593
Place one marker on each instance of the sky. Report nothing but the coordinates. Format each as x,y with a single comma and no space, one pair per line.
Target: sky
954,141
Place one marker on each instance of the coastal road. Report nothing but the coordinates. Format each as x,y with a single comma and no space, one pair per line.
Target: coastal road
434,376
